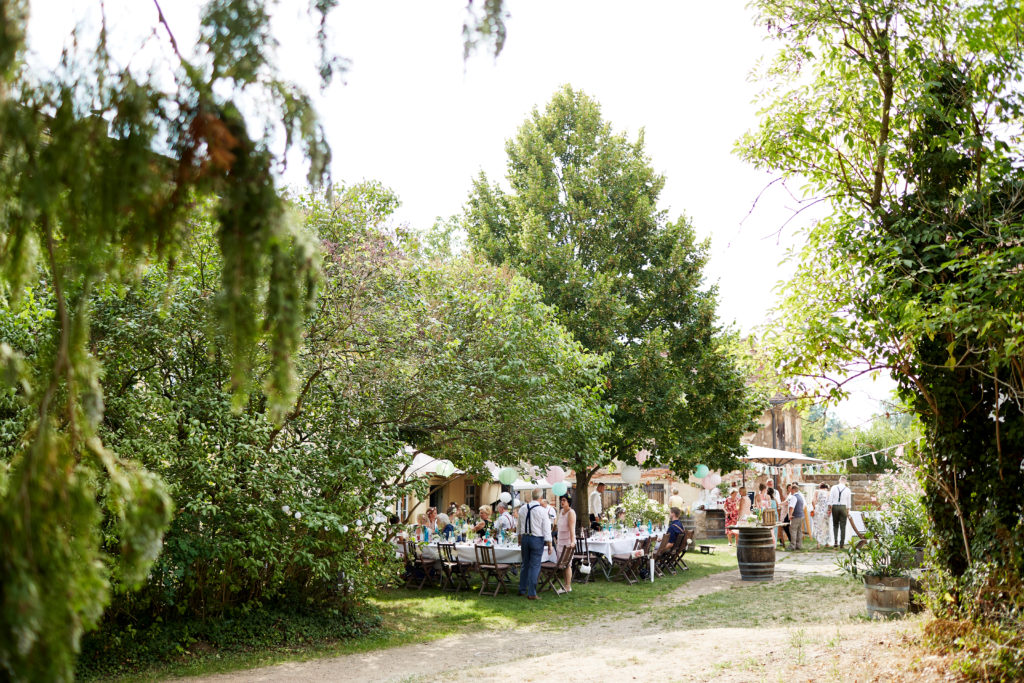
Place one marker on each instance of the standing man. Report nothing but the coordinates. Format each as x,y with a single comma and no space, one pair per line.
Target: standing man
840,500
675,500
596,507
795,503
534,539
505,521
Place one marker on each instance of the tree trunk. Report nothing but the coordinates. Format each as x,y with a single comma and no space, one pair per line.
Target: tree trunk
582,502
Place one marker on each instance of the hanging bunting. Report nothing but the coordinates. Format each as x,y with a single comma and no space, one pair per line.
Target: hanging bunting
854,461
899,451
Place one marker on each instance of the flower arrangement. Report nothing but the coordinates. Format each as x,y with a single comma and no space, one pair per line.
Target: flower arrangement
640,508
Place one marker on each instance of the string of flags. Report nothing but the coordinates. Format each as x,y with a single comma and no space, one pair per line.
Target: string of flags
833,465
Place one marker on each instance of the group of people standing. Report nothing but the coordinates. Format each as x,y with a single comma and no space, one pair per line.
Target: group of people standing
828,505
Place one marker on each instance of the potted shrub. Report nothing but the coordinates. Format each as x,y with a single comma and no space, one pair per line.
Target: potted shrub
884,563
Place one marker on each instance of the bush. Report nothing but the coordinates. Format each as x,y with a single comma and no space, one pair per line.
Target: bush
131,649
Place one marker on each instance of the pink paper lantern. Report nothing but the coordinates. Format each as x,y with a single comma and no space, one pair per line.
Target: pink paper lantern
555,474
642,455
708,483
716,479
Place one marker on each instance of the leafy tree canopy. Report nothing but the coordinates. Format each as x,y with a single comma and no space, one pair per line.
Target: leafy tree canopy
581,219
904,115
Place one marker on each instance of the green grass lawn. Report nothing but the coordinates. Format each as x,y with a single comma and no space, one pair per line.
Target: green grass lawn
807,600
411,616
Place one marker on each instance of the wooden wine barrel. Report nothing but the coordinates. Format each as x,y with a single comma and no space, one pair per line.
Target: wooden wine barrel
755,553
887,596
715,524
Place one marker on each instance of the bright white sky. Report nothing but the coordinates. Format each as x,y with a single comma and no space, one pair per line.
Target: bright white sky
411,114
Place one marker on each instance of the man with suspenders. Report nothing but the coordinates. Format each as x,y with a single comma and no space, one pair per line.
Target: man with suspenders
840,500
534,530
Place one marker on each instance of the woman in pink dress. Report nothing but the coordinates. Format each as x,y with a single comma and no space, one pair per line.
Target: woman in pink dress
566,534
732,513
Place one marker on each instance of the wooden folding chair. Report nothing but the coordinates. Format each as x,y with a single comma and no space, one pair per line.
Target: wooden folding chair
552,572
581,557
626,562
421,567
489,567
456,572
662,553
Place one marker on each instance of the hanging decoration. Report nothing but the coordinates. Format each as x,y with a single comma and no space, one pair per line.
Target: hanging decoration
716,479
444,468
642,455
508,475
559,488
701,471
707,483
505,497
555,474
631,474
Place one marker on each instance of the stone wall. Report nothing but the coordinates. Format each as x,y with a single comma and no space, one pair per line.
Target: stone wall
860,485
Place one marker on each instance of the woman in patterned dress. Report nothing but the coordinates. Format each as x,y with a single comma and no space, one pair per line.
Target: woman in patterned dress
732,513
821,520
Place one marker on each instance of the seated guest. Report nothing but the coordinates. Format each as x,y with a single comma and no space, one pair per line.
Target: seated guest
432,519
484,525
421,524
452,509
675,527
505,520
620,516
444,525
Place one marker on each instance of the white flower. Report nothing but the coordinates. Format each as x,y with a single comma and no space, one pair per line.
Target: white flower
286,509
344,528
298,515
359,522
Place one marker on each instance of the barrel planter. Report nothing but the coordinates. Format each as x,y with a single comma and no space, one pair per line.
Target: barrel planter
887,596
715,523
755,553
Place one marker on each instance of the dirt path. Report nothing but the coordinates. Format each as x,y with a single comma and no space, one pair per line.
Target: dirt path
635,647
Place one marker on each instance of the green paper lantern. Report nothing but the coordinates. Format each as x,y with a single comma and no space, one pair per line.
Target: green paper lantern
445,468
559,488
507,475
702,471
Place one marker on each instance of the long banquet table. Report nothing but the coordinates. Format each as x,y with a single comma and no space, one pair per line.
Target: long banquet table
511,554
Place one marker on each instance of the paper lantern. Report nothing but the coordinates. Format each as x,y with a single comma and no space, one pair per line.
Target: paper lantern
559,488
508,475
716,479
505,497
555,474
642,455
445,468
631,474
702,471
707,483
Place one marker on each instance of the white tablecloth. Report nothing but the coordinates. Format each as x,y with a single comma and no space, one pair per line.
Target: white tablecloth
505,554
616,546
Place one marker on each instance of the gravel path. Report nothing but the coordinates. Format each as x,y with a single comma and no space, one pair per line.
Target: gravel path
635,647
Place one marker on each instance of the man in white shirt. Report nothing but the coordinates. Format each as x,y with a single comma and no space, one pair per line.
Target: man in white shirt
840,500
550,510
596,507
795,503
534,539
505,520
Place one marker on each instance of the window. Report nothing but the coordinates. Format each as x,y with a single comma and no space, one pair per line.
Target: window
402,508
471,497
435,497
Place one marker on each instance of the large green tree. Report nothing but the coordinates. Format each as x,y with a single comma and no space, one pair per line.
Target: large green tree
904,116
580,218
100,161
